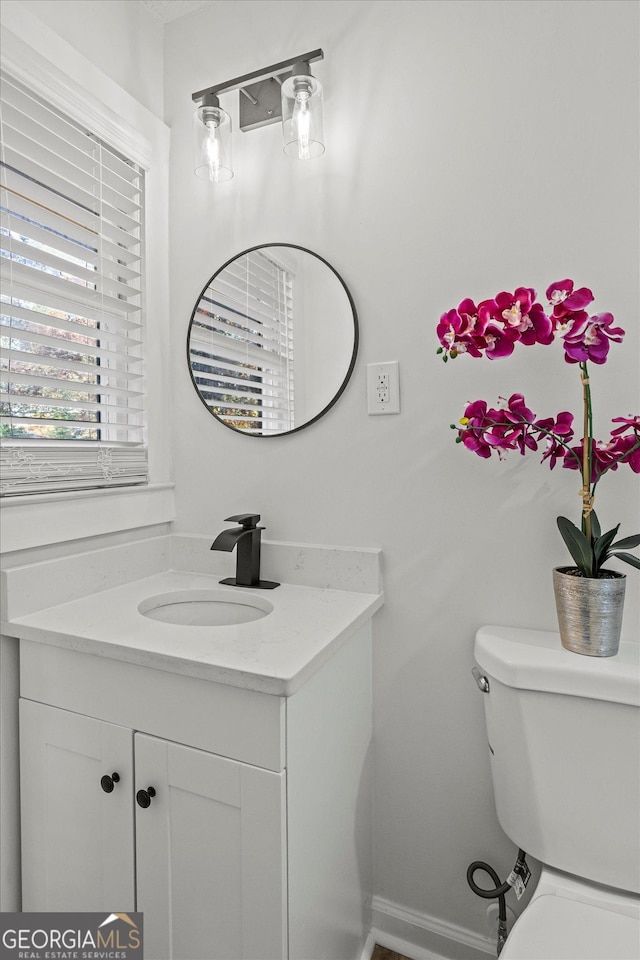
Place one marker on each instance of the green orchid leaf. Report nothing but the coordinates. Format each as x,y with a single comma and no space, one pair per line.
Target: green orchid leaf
628,543
577,545
595,525
628,558
602,544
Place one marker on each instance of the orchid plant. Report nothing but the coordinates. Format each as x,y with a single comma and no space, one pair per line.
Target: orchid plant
492,328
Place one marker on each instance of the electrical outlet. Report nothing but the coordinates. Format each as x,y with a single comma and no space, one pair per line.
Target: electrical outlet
383,387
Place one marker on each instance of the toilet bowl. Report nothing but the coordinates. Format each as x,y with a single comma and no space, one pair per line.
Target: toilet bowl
564,746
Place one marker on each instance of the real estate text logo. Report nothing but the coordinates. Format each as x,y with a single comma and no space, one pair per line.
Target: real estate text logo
71,936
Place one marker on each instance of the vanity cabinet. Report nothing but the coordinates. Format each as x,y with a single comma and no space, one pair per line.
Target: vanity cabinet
254,839
208,830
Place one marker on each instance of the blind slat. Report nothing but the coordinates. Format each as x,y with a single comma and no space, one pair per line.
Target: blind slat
246,387
15,203
35,280
47,300
72,166
24,228
69,423
51,383
89,370
72,271
247,357
63,404
14,313
94,350
246,299
35,109
69,212
46,168
221,325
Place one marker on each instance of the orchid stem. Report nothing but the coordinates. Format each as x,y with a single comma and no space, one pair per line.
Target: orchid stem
587,496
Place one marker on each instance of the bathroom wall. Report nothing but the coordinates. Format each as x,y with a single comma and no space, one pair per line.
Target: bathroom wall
123,39
471,147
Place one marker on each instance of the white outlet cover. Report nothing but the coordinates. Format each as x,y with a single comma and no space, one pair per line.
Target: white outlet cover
381,402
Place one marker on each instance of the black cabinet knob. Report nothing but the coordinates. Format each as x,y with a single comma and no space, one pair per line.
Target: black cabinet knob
143,797
108,782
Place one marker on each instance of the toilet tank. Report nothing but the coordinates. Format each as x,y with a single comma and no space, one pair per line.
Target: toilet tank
564,743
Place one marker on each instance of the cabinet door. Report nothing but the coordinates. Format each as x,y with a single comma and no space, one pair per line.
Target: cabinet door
77,839
211,857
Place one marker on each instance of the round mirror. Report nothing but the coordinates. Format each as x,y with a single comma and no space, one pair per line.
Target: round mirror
272,340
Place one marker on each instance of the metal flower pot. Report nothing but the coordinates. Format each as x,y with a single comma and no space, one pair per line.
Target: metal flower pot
589,611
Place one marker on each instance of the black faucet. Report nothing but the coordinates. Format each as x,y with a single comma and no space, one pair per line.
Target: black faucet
247,537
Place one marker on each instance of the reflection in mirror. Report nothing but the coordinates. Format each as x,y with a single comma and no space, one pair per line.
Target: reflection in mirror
272,340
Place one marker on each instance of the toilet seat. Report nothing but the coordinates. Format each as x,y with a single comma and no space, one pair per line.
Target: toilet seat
555,928
569,918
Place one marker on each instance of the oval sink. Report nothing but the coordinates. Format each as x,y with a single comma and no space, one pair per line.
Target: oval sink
204,608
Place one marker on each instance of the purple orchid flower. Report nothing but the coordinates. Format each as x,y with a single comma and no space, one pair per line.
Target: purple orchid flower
589,339
492,329
627,438
564,299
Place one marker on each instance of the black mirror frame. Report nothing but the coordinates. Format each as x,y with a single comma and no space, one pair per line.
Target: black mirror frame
352,363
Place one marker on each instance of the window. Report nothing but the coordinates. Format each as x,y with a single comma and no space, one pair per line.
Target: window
241,345
71,371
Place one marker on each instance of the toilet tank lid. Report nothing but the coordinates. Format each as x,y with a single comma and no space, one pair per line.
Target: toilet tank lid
536,660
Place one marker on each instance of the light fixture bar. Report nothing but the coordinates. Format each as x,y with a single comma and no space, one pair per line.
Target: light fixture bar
265,73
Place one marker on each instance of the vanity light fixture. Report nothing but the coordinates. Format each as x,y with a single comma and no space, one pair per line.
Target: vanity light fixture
285,91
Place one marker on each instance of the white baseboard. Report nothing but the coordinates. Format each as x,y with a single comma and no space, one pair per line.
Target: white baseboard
422,937
368,947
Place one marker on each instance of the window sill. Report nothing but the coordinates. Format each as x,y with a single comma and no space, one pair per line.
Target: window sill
36,520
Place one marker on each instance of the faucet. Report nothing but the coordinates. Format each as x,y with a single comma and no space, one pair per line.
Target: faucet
247,539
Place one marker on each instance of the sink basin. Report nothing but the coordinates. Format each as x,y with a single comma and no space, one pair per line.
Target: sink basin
204,608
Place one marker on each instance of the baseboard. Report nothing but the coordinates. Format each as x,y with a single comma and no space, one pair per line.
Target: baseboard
369,946
422,937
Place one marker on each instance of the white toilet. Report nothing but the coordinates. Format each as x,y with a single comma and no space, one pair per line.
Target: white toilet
564,739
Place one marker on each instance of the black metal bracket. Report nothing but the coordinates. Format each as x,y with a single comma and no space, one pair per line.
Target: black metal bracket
260,102
276,68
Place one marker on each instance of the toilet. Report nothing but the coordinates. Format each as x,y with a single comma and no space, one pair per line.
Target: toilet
564,743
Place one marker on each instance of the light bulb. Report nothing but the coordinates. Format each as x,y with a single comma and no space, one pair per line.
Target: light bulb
301,123
212,143
211,149
302,114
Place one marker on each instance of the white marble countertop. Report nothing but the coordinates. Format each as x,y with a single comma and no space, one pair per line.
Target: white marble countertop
274,654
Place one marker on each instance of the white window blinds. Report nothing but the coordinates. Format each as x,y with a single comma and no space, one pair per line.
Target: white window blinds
71,373
241,345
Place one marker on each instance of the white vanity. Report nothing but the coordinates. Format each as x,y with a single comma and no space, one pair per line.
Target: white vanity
215,778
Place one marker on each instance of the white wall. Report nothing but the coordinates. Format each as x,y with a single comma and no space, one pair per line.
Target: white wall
471,147
122,38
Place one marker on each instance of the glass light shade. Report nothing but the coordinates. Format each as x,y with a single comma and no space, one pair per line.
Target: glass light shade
302,117
212,143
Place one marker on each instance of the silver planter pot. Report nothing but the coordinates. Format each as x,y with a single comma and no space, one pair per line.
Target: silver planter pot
589,612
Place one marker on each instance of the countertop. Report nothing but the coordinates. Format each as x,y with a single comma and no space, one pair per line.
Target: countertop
275,654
